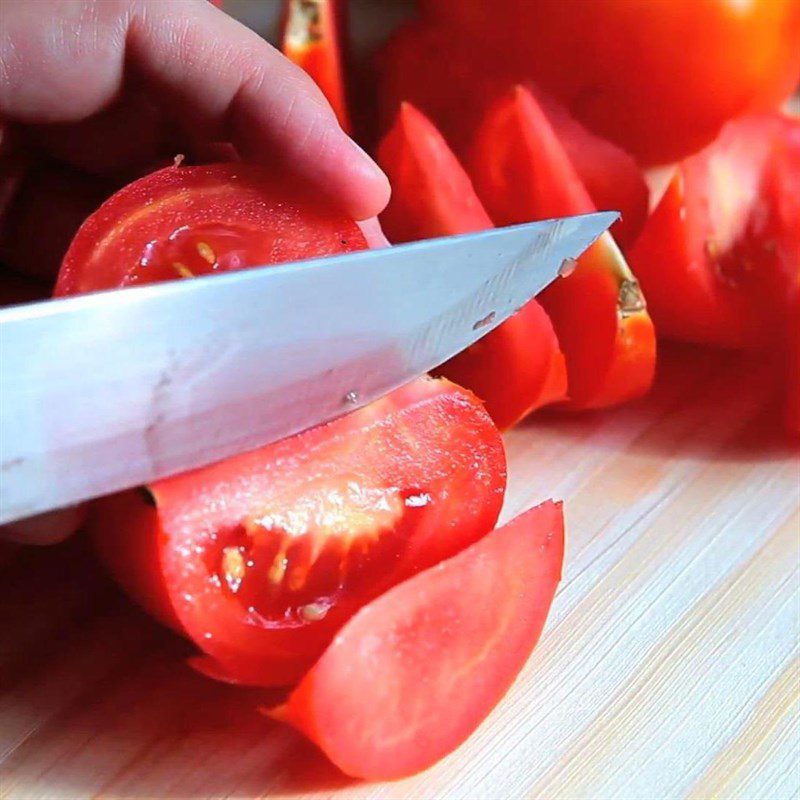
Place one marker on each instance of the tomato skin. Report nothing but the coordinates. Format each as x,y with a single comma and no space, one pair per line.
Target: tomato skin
718,257
454,81
417,670
521,172
312,37
429,441
516,368
272,220
659,78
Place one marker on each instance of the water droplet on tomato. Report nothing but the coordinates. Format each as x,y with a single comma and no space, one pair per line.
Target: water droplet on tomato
418,500
312,612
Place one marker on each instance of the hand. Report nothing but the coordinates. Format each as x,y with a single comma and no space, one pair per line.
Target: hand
95,92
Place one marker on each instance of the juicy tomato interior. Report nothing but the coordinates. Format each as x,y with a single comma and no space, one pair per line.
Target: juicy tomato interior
434,655
522,173
182,222
261,558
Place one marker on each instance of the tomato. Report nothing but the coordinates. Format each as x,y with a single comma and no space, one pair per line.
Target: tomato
792,413
417,670
521,173
658,78
453,80
517,367
312,36
718,258
187,221
261,558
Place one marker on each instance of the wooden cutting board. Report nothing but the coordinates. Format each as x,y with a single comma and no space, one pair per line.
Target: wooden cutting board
668,669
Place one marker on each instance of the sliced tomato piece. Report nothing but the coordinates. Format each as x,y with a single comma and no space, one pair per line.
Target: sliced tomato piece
261,558
412,675
718,258
182,222
313,38
454,81
516,368
522,173
792,414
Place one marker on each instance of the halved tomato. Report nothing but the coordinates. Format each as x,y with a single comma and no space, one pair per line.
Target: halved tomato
411,676
454,80
718,258
261,558
522,173
181,222
312,38
516,368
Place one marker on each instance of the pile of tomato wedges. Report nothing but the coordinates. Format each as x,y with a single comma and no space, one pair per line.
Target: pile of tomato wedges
357,564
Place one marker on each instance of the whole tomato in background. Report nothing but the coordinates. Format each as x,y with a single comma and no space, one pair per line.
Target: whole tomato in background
658,77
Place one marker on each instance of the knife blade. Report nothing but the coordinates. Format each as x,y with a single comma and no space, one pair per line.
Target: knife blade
115,389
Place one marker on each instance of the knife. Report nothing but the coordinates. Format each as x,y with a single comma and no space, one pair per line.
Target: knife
106,391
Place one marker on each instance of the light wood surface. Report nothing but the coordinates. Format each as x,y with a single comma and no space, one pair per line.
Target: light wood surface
669,666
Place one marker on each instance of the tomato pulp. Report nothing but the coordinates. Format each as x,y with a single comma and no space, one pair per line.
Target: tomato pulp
182,222
260,558
517,367
414,673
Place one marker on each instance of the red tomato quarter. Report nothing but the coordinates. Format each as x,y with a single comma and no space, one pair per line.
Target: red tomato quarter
518,366
412,675
522,173
658,77
182,222
261,558
313,31
718,258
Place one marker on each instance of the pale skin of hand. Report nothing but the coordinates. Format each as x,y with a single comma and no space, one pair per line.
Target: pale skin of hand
96,92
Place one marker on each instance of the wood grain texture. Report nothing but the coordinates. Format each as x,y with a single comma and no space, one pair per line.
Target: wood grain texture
670,666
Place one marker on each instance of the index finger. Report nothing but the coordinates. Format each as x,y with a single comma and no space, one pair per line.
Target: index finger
231,84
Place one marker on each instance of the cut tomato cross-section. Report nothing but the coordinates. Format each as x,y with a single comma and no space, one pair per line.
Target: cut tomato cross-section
522,173
412,675
516,368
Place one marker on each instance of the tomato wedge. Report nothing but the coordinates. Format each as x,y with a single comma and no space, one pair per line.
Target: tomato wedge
516,368
718,257
261,558
181,222
522,173
411,676
312,37
454,80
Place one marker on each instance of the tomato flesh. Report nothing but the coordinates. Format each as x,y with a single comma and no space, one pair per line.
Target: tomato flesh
522,173
516,368
261,558
186,221
414,673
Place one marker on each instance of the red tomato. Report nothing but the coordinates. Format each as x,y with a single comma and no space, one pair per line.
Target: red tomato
313,31
261,558
718,257
453,81
416,671
517,367
521,173
792,413
187,221
658,77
